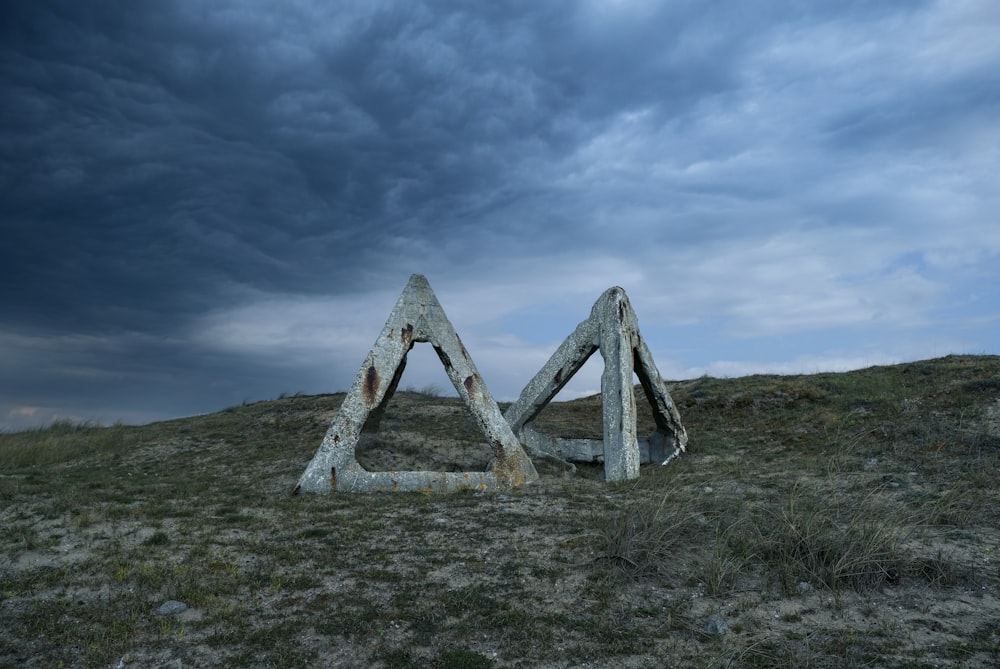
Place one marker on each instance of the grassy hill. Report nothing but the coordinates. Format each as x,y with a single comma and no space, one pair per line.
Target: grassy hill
828,520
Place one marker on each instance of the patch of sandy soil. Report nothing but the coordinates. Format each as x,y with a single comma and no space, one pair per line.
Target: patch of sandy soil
538,546
381,575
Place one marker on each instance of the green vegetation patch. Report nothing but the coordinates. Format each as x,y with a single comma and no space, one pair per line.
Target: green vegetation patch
826,520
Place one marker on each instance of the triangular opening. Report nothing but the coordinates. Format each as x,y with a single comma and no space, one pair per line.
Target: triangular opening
425,374
426,425
576,412
417,318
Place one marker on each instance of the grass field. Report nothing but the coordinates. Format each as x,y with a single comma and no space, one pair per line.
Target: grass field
828,520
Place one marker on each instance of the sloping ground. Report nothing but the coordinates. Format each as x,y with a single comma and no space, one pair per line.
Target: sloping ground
830,520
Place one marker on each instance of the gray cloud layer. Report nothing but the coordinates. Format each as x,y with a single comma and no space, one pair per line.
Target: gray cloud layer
170,169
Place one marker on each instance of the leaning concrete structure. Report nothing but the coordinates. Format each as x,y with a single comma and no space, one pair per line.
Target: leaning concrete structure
417,317
613,329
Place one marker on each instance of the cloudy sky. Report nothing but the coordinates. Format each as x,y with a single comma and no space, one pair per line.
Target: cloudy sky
206,203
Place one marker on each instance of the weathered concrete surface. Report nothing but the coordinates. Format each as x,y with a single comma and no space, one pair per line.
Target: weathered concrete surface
417,318
651,449
621,451
612,328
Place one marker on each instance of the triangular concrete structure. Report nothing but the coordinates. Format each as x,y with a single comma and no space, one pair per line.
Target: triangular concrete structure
612,328
417,317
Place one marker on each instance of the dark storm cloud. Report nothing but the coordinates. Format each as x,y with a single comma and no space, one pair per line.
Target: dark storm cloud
122,191
186,185
157,154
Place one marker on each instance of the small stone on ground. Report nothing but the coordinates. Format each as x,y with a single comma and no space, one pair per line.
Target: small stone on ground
716,625
171,607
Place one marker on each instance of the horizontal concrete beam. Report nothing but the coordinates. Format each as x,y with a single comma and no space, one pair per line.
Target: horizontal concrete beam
652,449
